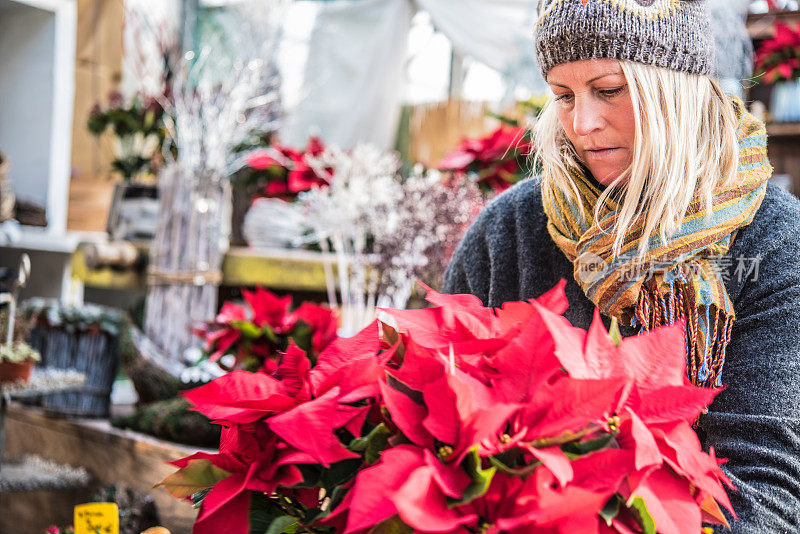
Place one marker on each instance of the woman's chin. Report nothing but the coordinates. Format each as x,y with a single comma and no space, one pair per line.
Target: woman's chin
605,175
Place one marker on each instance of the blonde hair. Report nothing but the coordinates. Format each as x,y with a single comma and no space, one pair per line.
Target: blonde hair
686,144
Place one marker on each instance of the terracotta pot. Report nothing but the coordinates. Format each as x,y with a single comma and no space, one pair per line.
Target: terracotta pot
15,372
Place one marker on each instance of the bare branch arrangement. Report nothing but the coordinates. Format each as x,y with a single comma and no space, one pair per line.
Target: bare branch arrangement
417,242
385,230
362,193
218,100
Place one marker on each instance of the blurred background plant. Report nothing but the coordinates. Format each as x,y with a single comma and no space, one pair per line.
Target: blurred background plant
138,136
500,159
251,335
779,58
282,172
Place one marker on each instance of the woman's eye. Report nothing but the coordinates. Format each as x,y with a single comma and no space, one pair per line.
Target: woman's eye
564,99
610,92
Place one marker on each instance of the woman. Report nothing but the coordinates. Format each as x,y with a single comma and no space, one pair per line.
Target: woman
639,141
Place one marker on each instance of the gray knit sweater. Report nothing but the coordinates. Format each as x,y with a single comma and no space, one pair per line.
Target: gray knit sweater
508,255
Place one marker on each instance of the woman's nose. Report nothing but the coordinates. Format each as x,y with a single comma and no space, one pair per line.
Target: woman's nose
587,116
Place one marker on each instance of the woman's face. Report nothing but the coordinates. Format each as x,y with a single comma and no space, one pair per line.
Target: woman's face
595,109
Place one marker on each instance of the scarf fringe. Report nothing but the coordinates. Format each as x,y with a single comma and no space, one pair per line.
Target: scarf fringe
705,354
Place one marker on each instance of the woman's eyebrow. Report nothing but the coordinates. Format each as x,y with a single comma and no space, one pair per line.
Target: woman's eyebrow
590,81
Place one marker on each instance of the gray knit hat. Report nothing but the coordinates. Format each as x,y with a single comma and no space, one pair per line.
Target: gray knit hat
674,34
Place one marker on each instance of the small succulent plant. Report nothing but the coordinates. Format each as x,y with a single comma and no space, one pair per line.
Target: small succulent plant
18,353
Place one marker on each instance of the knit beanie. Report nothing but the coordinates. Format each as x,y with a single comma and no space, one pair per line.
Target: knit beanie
673,34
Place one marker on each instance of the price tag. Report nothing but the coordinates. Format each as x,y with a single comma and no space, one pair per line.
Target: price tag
96,518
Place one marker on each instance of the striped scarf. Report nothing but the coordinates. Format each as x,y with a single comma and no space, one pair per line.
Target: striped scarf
679,281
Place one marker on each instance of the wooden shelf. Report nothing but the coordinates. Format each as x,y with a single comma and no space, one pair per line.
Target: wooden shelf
105,278
762,25
783,129
284,269
299,270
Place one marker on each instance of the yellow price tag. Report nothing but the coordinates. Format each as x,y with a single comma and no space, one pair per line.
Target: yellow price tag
96,518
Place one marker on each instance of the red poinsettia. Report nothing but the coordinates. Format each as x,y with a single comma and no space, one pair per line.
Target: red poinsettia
464,418
286,171
250,460
496,161
779,58
255,331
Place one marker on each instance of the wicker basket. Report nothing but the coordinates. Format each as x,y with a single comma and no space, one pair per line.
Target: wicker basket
6,191
81,338
93,353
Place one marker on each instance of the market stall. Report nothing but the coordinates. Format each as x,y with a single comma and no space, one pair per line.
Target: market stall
224,204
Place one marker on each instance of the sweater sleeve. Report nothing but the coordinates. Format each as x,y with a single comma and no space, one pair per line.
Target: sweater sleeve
755,422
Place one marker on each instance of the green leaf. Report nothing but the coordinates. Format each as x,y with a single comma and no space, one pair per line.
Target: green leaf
358,444
337,497
393,525
315,514
515,471
197,498
96,124
262,513
378,441
481,478
373,444
267,331
149,120
610,509
302,335
616,337
311,475
339,473
196,476
284,524
641,514
502,118
581,448
248,329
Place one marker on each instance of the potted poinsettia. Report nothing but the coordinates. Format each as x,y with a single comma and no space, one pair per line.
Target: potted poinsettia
777,62
284,172
278,173
461,418
495,162
255,332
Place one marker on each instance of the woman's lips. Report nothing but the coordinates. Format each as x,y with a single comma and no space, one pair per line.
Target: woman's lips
601,153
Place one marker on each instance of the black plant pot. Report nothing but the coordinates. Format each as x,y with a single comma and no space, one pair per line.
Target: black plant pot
134,212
